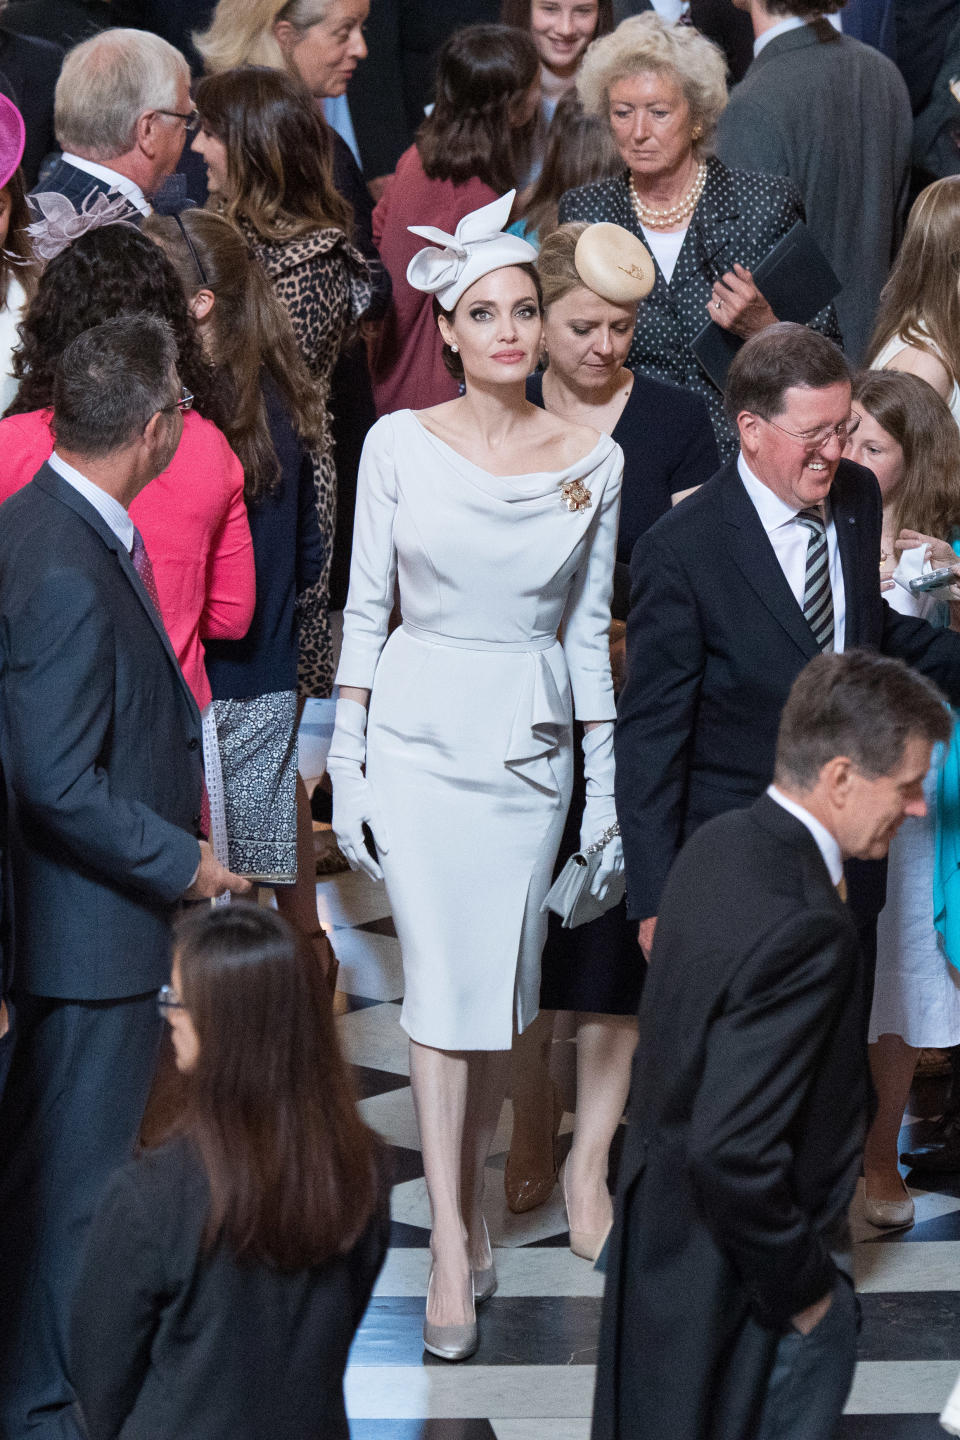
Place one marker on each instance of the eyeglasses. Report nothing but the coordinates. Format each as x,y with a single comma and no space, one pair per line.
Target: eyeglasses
168,999
190,120
813,439
184,404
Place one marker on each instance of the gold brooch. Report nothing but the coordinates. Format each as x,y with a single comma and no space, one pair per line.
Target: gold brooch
575,495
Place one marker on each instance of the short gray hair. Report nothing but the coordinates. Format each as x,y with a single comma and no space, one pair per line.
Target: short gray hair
107,83
645,44
110,381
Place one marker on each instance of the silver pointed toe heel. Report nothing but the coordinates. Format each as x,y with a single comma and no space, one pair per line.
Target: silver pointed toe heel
485,1281
449,1342
889,1214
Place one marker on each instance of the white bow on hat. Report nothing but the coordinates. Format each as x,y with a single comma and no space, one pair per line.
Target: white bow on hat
478,246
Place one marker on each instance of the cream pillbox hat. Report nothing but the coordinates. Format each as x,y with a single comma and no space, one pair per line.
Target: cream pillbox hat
478,246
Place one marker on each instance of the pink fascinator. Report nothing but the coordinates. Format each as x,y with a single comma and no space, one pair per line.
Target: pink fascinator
12,139
62,223
478,246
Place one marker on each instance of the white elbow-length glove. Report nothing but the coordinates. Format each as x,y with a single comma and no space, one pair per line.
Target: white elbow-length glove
353,802
599,812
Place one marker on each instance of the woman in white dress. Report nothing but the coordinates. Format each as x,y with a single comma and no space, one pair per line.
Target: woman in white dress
907,437
918,323
498,521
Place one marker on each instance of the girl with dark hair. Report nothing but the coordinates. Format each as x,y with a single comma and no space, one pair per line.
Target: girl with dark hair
275,416
267,155
910,441
192,517
18,267
472,147
227,1270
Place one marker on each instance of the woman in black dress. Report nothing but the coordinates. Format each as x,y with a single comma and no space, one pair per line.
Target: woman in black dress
227,1270
596,970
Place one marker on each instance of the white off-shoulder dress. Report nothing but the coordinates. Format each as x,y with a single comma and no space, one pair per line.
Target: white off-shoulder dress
469,743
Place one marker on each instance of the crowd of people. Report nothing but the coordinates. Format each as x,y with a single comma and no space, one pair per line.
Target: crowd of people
569,390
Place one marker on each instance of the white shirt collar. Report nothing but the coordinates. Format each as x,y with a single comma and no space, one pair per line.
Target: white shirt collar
792,22
826,844
109,509
773,511
126,187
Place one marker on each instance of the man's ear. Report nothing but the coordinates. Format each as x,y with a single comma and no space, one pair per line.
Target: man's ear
145,137
835,777
749,426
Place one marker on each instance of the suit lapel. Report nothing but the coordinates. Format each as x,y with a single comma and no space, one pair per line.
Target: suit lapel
755,558
54,485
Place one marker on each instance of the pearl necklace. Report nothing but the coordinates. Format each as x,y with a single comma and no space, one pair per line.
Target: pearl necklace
669,219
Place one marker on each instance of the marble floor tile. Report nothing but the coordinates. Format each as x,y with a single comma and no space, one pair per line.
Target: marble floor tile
890,1427
373,1037
911,1326
932,1266
370,964
466,1391
409,1203
377,1084
421,1430
520,1272
350,898
542,1429
901,1387
525,1331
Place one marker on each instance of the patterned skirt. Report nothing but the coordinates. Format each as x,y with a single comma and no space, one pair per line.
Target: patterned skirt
258,753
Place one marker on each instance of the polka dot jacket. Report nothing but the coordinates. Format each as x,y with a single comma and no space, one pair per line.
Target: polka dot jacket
739,218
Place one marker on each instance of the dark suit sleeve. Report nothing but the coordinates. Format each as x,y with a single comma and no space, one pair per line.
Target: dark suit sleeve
60,701
116,1309
311,549
927,648
762,1054
665,663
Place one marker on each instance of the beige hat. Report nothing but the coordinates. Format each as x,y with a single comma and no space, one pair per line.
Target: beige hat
614,264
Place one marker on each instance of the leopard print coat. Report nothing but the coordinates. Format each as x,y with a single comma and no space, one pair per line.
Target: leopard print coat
324,282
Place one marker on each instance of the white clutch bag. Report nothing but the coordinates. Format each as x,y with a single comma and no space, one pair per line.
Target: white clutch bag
571,896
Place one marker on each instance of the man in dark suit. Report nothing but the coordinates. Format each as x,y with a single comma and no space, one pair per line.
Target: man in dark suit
717,630
120,133
729,1309
834,115
28,76
101,751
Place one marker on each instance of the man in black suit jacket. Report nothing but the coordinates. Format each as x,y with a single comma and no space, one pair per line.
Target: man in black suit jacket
729,1310
716,632
130,149
101,751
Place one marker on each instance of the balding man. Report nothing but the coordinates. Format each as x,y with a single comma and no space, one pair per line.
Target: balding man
122,114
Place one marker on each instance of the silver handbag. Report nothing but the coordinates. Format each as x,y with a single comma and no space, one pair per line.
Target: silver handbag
570,894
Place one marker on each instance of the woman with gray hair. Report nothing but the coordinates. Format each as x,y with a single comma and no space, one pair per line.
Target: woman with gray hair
663,88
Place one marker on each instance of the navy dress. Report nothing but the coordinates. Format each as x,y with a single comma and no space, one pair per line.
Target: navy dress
668,446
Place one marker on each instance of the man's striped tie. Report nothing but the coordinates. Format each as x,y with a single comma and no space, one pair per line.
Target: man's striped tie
817,595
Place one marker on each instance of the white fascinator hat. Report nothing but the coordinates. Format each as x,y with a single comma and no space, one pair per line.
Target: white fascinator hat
478,246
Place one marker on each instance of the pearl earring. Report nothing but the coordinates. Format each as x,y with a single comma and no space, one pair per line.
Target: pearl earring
455,349
697,132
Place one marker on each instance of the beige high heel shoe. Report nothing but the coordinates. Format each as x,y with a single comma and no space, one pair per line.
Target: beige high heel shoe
585,1243
449,1342
485,1281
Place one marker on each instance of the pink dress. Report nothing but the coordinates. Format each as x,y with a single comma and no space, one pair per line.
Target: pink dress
406,362
194,524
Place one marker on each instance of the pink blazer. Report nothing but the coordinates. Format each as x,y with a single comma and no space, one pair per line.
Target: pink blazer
194,524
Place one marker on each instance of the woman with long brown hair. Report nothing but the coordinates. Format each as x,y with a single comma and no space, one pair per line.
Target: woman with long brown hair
918,323
907,437
579,150
472,147
274,415
227,1269
268,165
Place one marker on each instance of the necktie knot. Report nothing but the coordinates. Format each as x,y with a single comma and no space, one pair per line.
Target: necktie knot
812,518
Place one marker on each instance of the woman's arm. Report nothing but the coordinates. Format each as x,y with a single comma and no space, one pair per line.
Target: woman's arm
586,620
116,1309
925,365
231,581
373,564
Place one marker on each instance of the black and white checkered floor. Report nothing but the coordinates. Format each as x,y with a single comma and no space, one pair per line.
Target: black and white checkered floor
532,1377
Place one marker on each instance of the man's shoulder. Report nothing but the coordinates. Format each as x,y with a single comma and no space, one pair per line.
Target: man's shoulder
694,516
